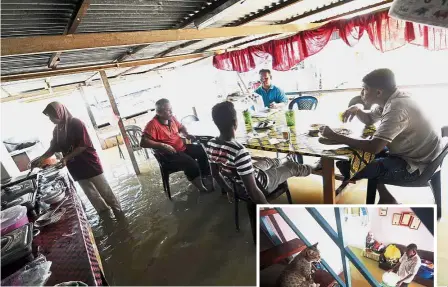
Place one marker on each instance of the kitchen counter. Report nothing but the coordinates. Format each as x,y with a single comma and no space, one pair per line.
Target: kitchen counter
69,244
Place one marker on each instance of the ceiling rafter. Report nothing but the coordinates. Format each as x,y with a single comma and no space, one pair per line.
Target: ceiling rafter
78,15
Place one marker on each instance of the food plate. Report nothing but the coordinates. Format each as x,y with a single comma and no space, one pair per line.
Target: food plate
264,125
47,218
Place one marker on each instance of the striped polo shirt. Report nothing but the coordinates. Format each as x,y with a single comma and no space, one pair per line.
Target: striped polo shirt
234,160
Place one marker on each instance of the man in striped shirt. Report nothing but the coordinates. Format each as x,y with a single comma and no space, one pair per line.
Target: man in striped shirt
229,158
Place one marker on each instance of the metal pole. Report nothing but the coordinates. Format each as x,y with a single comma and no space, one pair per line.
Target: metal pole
89,110
241,80
120,121
307,243
350,255
345,262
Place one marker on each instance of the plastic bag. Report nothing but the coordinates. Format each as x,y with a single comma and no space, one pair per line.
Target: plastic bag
35,273
392,252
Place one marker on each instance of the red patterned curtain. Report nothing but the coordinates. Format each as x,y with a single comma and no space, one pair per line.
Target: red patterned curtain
385,34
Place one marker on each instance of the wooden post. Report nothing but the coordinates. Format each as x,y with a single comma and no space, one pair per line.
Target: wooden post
120,121
89,110
328,180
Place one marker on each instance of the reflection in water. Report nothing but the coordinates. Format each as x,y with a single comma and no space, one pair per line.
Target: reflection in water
188,241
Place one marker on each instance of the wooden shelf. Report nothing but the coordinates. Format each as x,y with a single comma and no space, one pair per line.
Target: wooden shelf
280,252
266,212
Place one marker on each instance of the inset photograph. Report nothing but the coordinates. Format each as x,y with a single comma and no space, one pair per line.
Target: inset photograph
323,246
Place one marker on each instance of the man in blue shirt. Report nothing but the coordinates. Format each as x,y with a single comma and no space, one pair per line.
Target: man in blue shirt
272,96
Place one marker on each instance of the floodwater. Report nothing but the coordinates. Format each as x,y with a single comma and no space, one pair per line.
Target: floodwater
190,240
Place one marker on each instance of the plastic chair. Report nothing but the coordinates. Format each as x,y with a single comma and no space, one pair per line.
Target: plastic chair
251,207
304,103
430,177
135,136
188,119
165,172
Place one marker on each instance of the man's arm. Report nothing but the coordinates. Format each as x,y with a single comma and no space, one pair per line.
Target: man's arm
280,100
184,132
214,168
367,117
396,267
147,142
255,194
374,145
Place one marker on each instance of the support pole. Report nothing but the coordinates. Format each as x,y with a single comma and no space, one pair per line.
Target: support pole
348,252
345,261
120,121
308,244
89,110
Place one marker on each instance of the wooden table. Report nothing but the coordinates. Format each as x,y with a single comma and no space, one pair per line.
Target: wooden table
300,143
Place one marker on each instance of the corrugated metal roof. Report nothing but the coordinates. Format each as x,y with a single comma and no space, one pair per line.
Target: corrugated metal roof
51,17
91,56
32,18
22,64
138,15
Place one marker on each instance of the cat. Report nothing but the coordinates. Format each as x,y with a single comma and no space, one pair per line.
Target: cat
299,271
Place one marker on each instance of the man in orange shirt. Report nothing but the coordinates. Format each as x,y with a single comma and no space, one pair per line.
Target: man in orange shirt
162,135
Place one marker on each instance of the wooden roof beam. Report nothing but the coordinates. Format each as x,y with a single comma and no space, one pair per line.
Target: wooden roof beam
91,68
71,29
61,43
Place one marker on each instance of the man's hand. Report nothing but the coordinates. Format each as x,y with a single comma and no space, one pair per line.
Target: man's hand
274,105
350,113
63,162
169,149
327,132
190,137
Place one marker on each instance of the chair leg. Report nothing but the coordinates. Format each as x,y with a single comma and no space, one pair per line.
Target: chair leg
251,211
371,191
436,186
237,220
146,153
288,195
166,184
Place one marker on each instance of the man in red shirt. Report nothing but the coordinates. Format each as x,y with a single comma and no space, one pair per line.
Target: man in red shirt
162,134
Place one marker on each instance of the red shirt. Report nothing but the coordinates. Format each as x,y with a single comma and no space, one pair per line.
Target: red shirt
167,134
85,165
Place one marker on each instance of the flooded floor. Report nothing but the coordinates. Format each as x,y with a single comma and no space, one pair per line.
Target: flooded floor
190,240
194,242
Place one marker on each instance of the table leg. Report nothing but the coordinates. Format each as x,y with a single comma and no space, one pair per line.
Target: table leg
328,180
119,149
